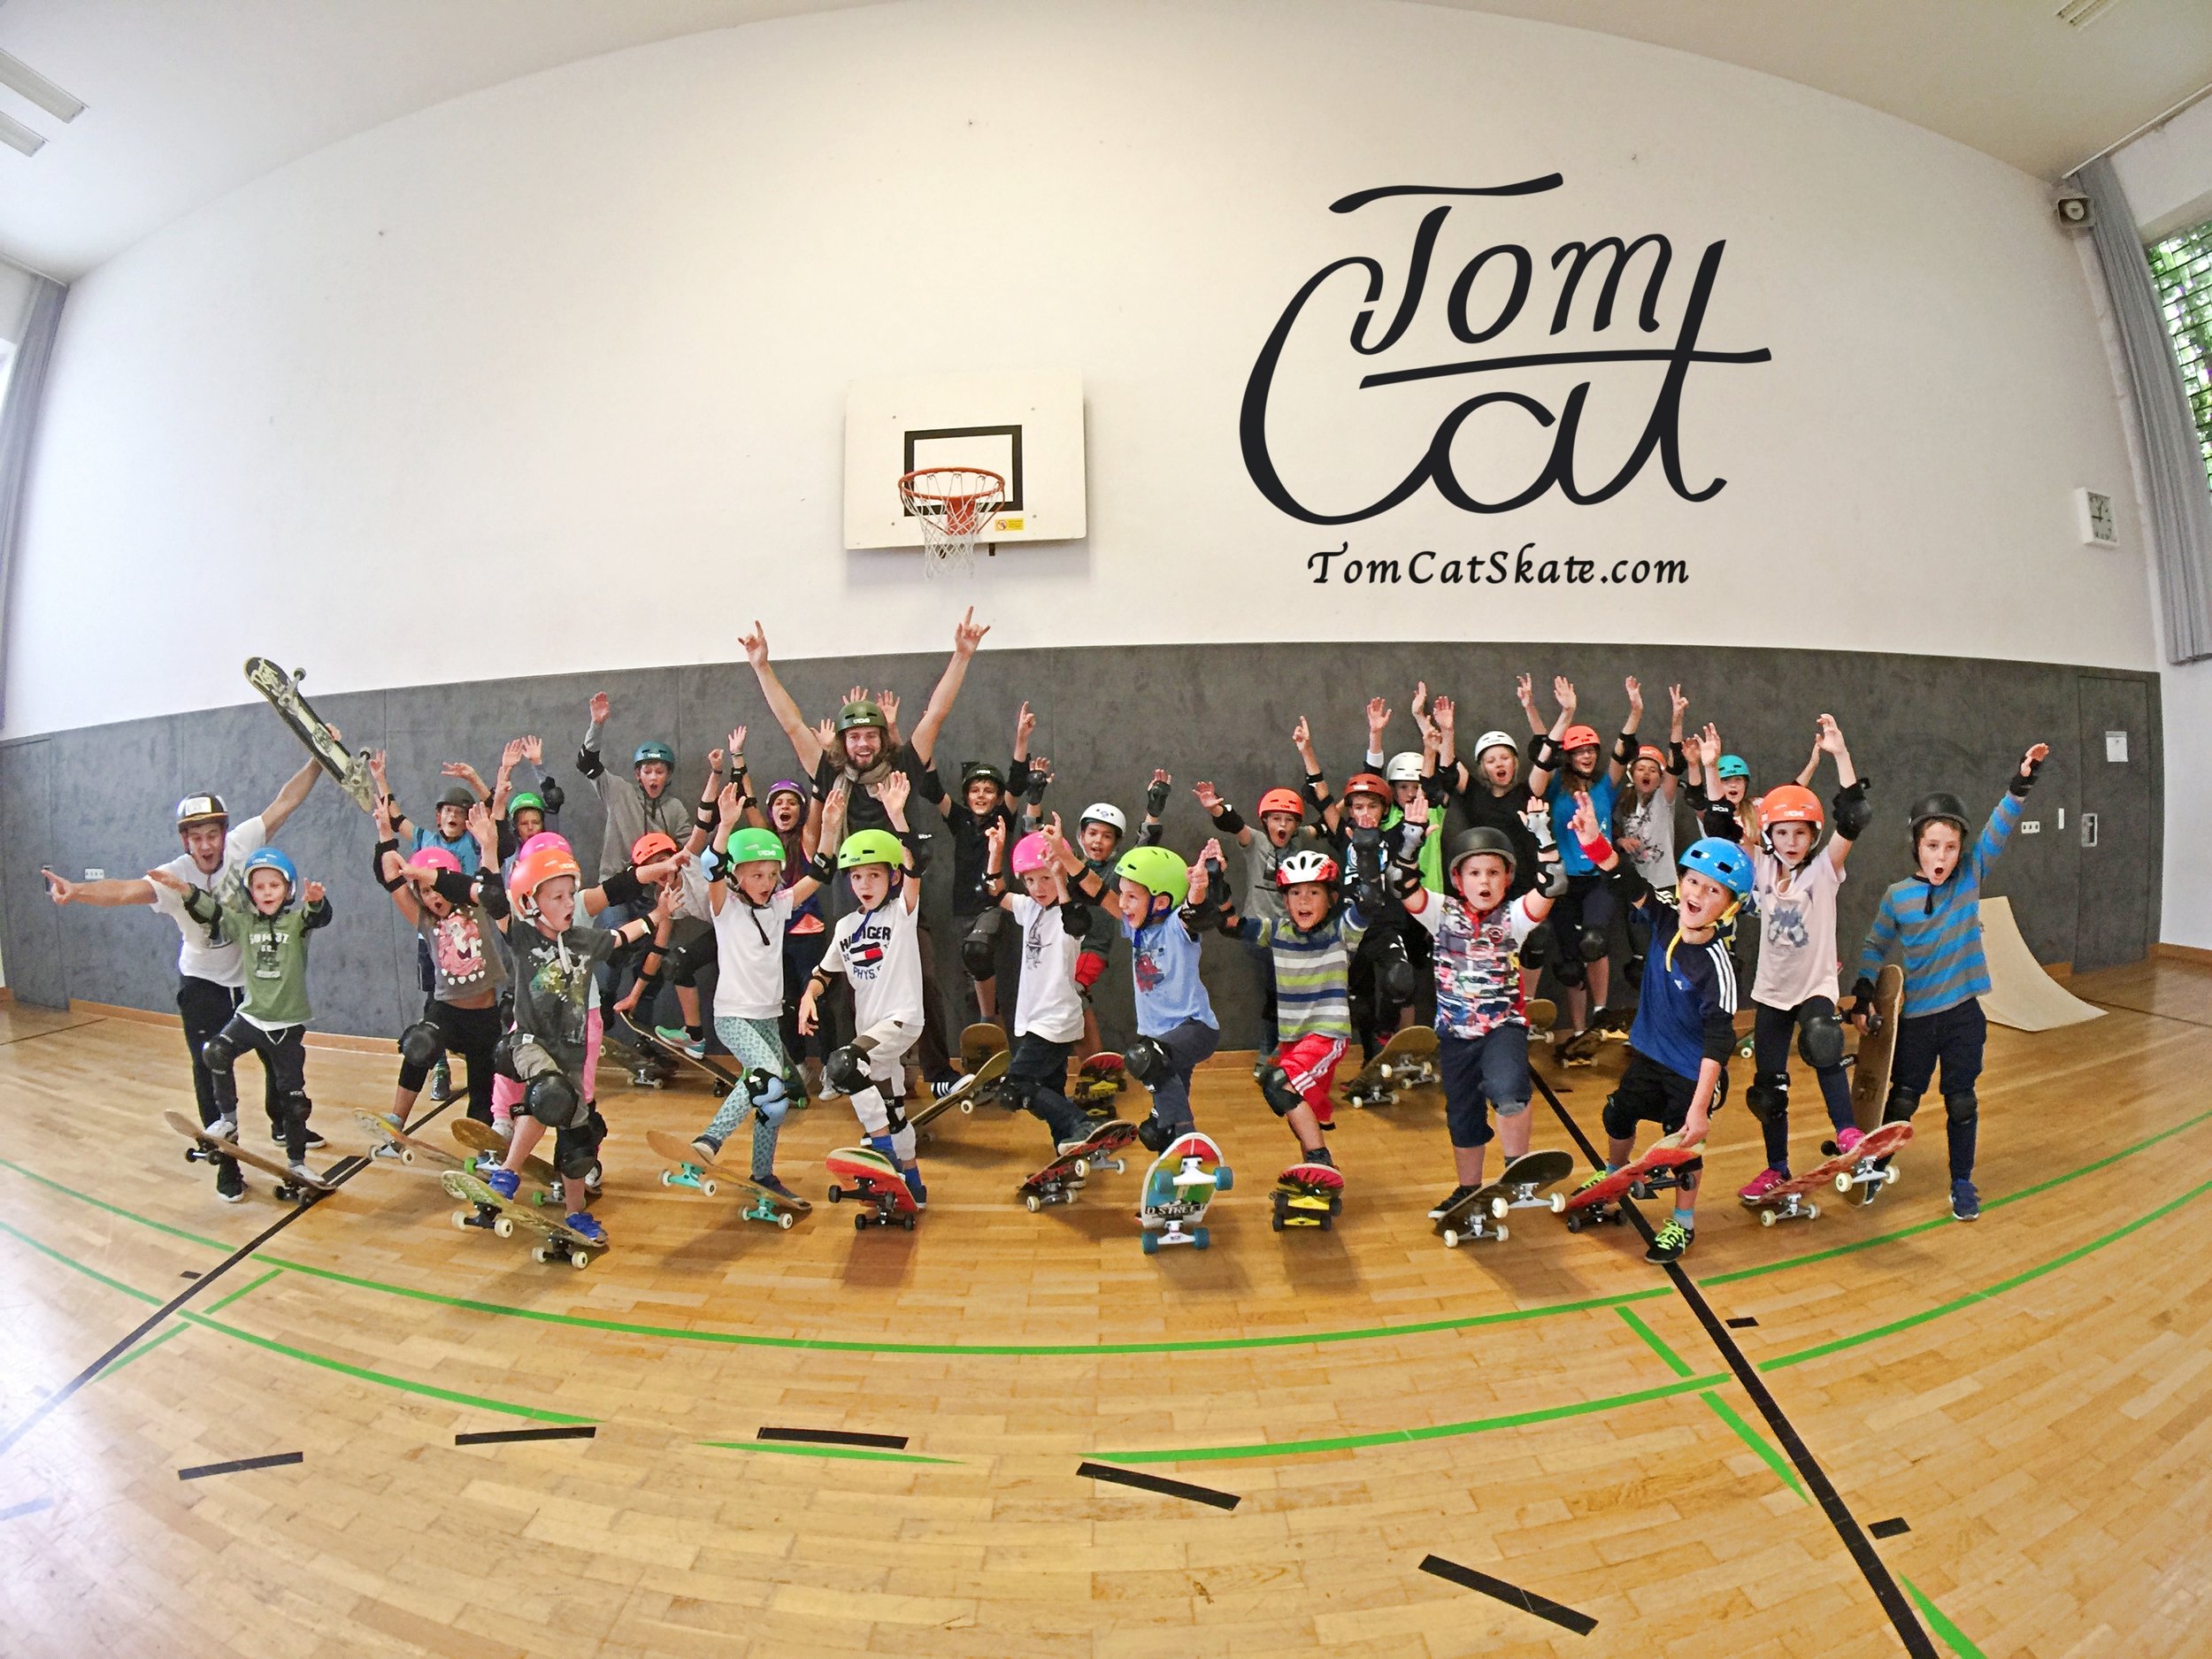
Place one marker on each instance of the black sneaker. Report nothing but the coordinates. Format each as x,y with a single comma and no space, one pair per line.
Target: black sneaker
1672,1241
230,1182
1458,1196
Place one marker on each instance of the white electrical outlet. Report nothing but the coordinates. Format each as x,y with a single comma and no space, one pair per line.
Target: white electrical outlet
2031,827
96,875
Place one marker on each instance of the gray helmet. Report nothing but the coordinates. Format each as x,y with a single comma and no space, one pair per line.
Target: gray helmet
202,808
1481,838
457,794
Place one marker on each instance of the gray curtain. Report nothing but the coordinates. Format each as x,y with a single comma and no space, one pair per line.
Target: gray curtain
18,421
2173,462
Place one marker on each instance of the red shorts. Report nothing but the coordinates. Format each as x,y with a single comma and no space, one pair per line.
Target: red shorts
1310,1063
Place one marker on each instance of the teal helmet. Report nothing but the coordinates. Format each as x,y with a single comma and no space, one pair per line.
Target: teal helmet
1731,766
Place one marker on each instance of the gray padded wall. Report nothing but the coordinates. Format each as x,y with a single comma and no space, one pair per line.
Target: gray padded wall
1106,717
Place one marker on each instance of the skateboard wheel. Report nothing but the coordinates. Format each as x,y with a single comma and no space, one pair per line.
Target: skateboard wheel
1034,1203
907,1222
1223,1180
1766,1218
406,1155
836,1193
1844,1183
1082,1168
1451,1238
1574,1223
720,1090
860,1224
1150,1242
1498,1209
1811,1211
708,1188
1890,1174
1559,1203
668,1177
1328,1224
1502,1234
461,1220
1201,1238
967,1108
503,1226
539,1255
783,1220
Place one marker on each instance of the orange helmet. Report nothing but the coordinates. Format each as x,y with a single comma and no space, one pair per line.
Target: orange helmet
651,845
1578,737
533,870
1791,803
1282,800
1647,751
1367,783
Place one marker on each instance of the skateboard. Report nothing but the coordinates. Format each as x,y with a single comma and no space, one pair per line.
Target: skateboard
404,1146
1519,1186
1877,1047
980,1042
705,1179
1542,1014
879,1185
646,1043
1181,1182
1600,1201
291,1185
644,1070
980,1084
491,1148
1098,1080
1859,1174
1407,1062
557,1240
1607,1024
1308,1195
1059,1180
283,692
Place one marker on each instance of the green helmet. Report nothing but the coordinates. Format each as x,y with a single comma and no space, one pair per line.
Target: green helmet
862,712
754,847
524,798
1156,870
868,847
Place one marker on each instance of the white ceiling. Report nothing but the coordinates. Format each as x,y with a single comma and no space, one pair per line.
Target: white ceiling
191,98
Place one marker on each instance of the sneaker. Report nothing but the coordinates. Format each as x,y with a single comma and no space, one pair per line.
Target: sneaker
230,1182
914,1185
313,1141
1457,1195
584,1222
939,1087
1966,1203
225,1129
1075,1144
1847,1140
681,1040
1672,1241
441,1082
706,1147
771,1183
503,1126
505,1182
1319,1155
1764,1182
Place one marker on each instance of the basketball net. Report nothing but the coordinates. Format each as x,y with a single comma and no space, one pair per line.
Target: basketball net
954,506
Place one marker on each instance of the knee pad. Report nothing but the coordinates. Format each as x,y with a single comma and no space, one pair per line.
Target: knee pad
1963,1107
1571,968
1536,949
1275,1086
770,1096
1769,1096
217,1053
978,950
846,1069
1820,1041
683,965
1088,965
1901,1105
577,1150
552,1100
1147,1061
421,1044
1401,980
1153,1135
1620,1123
1592,942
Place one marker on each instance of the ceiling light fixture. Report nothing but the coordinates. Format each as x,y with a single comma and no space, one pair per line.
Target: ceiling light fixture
15,135
19,76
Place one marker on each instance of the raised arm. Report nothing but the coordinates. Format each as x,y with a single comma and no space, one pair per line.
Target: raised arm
108,894
1849,810
804,744
288,799
967,634
1675,763
1624,751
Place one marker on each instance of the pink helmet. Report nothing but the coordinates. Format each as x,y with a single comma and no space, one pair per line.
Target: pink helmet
542,840
435,858
1030,854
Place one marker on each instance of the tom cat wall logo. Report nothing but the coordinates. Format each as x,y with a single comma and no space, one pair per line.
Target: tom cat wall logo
1512,303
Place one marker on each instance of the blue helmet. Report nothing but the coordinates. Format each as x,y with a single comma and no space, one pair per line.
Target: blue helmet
1731,766
653,751
1721,861
270,858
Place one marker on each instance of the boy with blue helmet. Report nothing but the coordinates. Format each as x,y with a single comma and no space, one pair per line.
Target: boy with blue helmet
269,922
1685,1010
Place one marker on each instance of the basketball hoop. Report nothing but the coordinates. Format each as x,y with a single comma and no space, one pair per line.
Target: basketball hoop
954,505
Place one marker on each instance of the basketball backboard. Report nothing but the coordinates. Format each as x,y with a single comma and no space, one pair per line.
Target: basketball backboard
1026,427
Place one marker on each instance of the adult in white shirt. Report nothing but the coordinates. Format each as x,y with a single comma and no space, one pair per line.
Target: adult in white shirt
211,976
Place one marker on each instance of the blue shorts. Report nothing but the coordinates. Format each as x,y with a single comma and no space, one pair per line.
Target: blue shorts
1480,1072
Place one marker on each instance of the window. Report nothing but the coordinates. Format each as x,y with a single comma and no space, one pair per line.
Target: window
2182,268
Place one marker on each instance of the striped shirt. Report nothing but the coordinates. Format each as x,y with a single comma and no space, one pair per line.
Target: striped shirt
1937,929
1311,971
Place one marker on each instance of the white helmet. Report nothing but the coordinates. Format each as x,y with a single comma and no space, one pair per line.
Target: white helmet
1105,812
1305,865
1495,739
1405,768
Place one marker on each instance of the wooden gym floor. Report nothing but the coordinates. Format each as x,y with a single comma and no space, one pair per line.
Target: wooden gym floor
1824,1436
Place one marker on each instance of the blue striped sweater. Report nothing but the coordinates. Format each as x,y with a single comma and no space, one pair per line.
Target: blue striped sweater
1938,930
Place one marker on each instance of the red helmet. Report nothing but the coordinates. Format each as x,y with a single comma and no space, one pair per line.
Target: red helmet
1367,783
1790,803
533,870
435,858
1578,737
1282,800
651,845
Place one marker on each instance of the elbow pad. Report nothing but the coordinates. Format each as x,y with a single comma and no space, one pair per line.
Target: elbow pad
1543,754
453,887
623,887
588,762
1554,880
492,894
1625,748
1677,765
551,793
390,884
932,787
1075,918
1851,811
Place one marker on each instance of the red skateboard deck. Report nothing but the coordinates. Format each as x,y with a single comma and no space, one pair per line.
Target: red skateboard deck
1058,1182
1599,1199
1854,1174
1308,1195
877,1183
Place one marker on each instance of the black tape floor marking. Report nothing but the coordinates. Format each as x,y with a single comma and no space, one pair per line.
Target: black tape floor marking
1745,1324
33,1036
1512,1594
1890,1528
339,1173
188,1273
1870,1563
491,1436
1159,1484
274,1460
834,1437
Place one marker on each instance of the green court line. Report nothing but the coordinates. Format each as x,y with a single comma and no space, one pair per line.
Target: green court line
97,1203
1675,1362
143,1348
1400,1437
1953,1638
1756,1441
236,1295
1857,1245
1972,1297
89,1272
786,1448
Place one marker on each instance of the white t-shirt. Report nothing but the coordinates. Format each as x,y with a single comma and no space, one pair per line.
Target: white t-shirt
1797,931
880,951
1646,836
1048,1005
197,958
750,947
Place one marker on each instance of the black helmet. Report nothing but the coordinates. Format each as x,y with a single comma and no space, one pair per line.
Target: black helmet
1940,806
1482,839
861,712
981,771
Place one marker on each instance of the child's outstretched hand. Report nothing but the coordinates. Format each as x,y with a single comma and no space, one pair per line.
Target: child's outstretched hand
1198,879
994,835
484,830
1377,715
534,751
1446,712
893,792
729,805
968,633
887,700
1208,797
1054,837
1525,691
1831,738
312,893
1302,736
856,694
1417,811
2034,757
833,814
1709,746
737,742
755,645
1025,723
510,755
1681,704
58,889
601,708
1584,822
826,734
1562,692
1635,689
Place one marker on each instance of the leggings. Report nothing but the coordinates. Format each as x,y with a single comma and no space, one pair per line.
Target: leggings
1771,1038
755,1046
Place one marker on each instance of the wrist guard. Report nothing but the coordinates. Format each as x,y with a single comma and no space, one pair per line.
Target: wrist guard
390,884
2024,781
1543,754
916,847
1228,820
822,869
1155,799
455,889
1678,765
